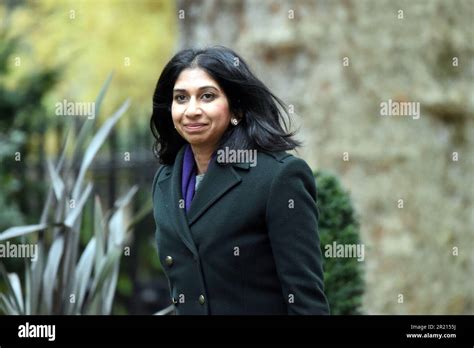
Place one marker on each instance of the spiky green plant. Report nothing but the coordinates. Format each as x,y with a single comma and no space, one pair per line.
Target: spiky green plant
61,281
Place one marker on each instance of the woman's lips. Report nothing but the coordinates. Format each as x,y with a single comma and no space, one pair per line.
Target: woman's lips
195,127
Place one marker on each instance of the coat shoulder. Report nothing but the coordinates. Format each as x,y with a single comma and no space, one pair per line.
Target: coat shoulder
283,169
281,159
156,179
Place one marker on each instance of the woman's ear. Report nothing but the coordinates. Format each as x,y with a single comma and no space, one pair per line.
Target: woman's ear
238,114
238,110
236,117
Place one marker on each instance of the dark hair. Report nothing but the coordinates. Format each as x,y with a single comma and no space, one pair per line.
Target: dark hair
262,125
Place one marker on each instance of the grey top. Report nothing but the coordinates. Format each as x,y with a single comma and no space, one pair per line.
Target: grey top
199,178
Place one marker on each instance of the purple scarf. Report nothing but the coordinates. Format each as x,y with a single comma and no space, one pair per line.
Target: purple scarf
188,177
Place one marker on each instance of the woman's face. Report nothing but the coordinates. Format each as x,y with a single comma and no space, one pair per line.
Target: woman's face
200,109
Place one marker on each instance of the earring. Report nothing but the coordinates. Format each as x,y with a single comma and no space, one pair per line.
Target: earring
234,121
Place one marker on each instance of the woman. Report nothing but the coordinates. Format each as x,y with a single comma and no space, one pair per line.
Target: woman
236,215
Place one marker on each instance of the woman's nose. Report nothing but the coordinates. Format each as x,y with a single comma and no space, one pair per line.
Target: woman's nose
193,108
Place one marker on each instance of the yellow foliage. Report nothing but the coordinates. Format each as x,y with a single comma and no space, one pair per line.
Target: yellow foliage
89,39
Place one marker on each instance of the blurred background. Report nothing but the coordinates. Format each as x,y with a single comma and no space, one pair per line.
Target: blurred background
333,62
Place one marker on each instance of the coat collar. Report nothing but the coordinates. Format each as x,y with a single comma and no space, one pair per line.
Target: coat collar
218,180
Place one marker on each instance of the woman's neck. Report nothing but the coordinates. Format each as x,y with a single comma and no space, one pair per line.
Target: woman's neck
202,156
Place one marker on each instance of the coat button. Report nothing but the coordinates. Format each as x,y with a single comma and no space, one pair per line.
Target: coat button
201,299
169,261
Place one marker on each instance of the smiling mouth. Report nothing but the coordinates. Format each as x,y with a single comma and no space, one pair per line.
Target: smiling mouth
195,127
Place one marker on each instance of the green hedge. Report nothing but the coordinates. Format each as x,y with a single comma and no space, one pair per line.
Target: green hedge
343,278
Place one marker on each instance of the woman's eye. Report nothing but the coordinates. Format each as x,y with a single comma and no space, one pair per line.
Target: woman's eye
208,96
179,98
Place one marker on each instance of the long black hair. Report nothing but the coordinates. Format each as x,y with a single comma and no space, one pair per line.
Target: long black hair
262,125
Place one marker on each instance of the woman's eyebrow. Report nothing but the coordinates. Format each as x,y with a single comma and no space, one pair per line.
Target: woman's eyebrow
200,88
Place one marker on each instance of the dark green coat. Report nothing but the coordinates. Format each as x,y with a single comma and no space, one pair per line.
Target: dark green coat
249,243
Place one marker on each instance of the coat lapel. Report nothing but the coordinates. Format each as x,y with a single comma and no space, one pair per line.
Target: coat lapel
172,191
218,180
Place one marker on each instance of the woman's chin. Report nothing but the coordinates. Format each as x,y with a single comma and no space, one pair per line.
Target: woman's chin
197,140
